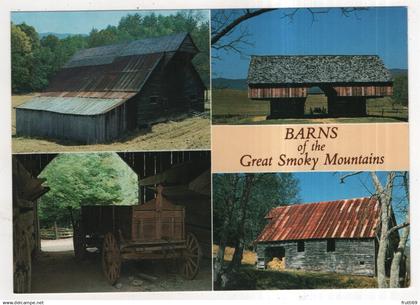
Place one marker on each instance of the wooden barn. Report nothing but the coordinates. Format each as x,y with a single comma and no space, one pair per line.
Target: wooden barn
103,92
335,236
346,80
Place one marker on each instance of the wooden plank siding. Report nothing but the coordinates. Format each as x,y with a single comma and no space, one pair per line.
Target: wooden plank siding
268,93
363,90
87,129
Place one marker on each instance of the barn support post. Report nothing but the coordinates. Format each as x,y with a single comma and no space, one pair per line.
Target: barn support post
287,108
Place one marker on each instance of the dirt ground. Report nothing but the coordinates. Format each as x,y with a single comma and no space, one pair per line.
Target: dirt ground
58,271
192,132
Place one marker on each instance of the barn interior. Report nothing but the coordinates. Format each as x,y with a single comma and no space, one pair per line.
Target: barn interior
185,177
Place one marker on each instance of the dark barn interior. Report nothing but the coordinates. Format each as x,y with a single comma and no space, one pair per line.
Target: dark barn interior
347,81
183,176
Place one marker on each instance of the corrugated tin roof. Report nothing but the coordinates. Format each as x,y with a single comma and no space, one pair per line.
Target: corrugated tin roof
124,74
91,94
71,105
315,69
351,218
107,54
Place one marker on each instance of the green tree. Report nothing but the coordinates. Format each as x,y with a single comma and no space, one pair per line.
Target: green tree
240,202
78,179
21,50
400,95
35,61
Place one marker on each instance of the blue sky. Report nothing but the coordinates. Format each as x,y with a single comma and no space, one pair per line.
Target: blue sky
79,22
381,31
326,186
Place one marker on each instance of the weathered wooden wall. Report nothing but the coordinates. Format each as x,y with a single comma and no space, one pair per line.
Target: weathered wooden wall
276,92
351,256
171,90
373,91
86,129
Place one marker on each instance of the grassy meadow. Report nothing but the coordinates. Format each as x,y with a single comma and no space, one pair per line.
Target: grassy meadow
230,106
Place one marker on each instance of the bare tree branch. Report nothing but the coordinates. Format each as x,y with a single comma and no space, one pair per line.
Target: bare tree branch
249,14
398,227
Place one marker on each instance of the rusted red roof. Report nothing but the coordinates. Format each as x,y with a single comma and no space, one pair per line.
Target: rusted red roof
124,74
351,218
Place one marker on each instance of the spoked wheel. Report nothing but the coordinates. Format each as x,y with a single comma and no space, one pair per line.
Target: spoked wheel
79,242
191,257
111,258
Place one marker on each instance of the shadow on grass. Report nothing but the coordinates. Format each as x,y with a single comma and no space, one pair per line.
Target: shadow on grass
250,278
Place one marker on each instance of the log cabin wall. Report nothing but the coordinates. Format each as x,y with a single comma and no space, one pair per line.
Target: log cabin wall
351,256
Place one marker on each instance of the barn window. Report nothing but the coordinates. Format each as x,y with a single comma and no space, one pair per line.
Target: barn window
300,246
361,263
330,245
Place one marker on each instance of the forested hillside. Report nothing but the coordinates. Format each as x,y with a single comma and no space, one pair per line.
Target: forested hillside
36,59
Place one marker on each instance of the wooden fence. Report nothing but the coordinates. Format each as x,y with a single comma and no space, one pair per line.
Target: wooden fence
56,233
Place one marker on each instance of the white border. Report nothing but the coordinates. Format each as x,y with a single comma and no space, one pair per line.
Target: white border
361,296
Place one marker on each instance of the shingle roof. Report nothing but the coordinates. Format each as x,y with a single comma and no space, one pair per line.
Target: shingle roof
351,218
71,105
315,69
107,54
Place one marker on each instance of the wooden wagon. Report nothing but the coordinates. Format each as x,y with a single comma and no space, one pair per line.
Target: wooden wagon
153,230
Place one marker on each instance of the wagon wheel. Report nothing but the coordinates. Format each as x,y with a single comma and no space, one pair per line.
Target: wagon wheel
79,242
111,258
191,257
22,263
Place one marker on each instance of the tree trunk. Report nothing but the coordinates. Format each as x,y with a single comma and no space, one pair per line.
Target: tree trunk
239,248
394,279
237,256
384,195
219,262
381,276
220,257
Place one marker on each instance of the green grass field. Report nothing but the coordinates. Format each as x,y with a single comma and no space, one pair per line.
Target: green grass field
233,107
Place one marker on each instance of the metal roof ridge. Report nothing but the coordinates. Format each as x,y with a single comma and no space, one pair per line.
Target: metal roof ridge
326,201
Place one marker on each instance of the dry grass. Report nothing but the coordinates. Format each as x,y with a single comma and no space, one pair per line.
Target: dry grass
189,133
233,107
248,258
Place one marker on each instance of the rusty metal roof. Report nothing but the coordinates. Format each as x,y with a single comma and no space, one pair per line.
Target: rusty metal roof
127,74
350,218
107,54
71,105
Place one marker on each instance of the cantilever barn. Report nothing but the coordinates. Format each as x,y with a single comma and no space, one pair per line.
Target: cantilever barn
347,81
335,236
103,92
